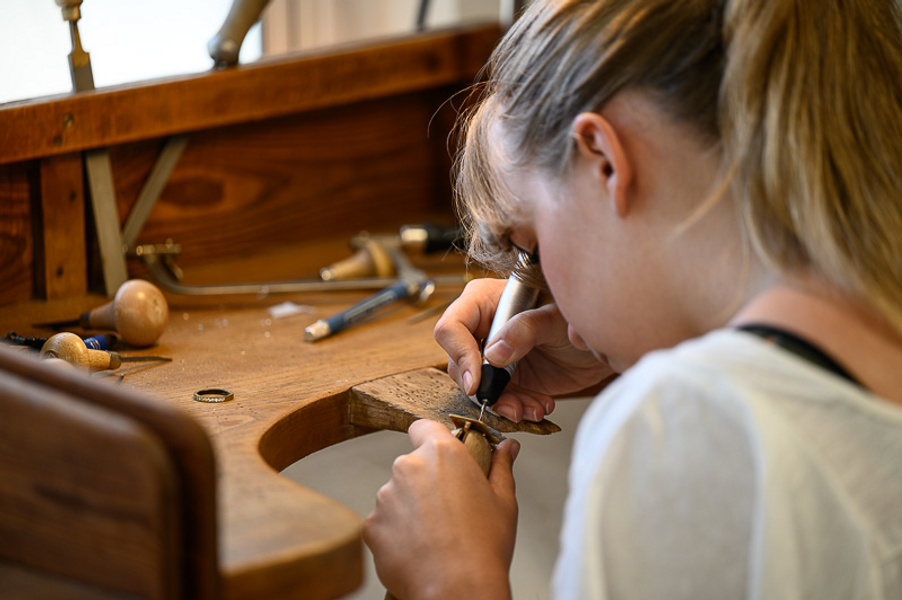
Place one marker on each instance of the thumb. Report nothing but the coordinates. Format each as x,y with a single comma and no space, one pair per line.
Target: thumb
524,332
501,473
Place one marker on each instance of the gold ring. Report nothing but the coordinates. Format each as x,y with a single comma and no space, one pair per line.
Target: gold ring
213,395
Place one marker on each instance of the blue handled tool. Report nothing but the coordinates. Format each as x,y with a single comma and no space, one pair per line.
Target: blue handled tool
412,283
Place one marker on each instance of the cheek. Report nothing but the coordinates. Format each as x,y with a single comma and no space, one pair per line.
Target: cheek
561,269
578,342
573,279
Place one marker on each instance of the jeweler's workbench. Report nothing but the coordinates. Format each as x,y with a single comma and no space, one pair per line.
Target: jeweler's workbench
291,398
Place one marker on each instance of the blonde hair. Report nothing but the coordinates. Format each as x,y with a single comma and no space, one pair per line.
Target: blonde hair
803,103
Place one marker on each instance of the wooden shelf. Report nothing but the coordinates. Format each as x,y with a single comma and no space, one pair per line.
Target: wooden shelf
247,93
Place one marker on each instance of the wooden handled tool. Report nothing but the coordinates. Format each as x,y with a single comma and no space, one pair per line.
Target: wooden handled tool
72,349
371,260
138,312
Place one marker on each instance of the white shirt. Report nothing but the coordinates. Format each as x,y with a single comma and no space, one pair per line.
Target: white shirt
730,468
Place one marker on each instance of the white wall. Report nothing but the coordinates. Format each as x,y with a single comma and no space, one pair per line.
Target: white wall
128,41
291,25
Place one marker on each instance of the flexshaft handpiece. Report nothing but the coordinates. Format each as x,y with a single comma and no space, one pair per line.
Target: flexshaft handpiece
516,297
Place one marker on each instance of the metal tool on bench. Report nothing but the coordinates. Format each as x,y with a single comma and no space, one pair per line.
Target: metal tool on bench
411,283
373,257
94,342
72,349
160,262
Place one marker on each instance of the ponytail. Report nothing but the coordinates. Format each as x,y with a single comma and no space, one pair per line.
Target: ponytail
811,127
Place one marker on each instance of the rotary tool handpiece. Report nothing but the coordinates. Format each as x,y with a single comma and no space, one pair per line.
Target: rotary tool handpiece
517,297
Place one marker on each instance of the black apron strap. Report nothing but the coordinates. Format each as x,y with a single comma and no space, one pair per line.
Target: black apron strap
799,347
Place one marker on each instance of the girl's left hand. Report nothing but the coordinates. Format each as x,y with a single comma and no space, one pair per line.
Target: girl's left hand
440,529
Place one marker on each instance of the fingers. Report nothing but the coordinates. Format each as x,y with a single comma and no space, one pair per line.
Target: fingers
518,404
439,484
501,473
466,321
525,331
424,430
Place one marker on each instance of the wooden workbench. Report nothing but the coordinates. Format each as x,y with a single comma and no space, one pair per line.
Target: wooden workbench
276,539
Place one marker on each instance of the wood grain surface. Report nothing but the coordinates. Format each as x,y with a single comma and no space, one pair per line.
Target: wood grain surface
266,89
60,245
242,188
103,487
396,401
16,234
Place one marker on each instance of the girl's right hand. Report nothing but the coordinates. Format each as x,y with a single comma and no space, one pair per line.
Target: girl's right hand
549,364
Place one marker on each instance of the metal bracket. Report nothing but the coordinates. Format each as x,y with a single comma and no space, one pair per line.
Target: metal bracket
153,187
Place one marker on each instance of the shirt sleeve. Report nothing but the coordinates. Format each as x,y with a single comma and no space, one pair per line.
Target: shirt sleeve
662,493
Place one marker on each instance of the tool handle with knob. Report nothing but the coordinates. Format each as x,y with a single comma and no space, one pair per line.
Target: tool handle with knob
139,313
72,349
372,260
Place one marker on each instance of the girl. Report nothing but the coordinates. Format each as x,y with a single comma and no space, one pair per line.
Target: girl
713,187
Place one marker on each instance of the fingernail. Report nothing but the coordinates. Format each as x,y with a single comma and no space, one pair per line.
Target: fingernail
534,415
549,406
515,449
499,353
508,413
468,382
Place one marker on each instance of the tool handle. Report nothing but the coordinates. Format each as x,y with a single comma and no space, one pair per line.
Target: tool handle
72,349
372,260
516,297
430,237
364,308
71,9
348,317
481,450
139,312
226,44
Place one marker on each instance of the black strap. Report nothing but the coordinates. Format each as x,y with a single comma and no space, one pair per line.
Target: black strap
799,347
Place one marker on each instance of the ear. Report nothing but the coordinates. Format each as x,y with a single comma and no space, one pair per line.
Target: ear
601,147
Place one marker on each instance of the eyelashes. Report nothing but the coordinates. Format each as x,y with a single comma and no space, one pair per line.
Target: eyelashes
530,258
